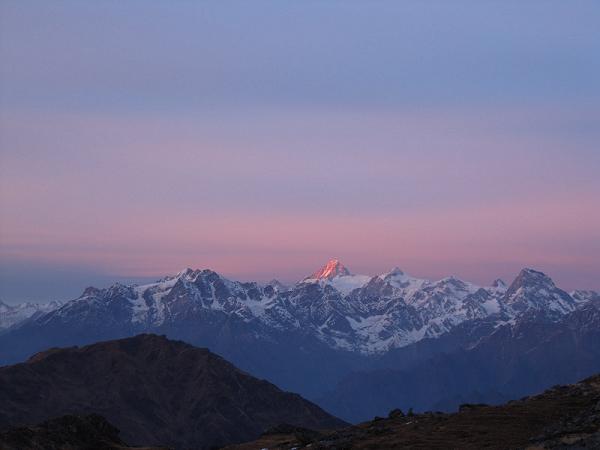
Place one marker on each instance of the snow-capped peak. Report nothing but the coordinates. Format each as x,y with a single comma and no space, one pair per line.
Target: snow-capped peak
530,278
535,291
499,284
185,273
335,274
394,272
333,268
277,285
90,291
12,315
583,296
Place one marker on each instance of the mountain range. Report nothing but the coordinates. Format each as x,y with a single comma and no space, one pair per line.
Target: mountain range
383,338
11,315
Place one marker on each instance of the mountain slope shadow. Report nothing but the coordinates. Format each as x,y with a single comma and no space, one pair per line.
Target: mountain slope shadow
156,391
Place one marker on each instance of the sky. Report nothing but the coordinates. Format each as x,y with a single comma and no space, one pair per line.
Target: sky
260,139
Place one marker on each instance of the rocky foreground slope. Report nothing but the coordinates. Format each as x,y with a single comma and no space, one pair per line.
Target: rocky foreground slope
564,417
156,391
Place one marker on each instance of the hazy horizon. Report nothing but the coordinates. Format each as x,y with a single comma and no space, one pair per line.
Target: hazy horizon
260,139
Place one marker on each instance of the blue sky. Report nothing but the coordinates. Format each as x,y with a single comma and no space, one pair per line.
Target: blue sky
262,138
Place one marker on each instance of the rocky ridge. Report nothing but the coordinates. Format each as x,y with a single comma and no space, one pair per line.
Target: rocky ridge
356,313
